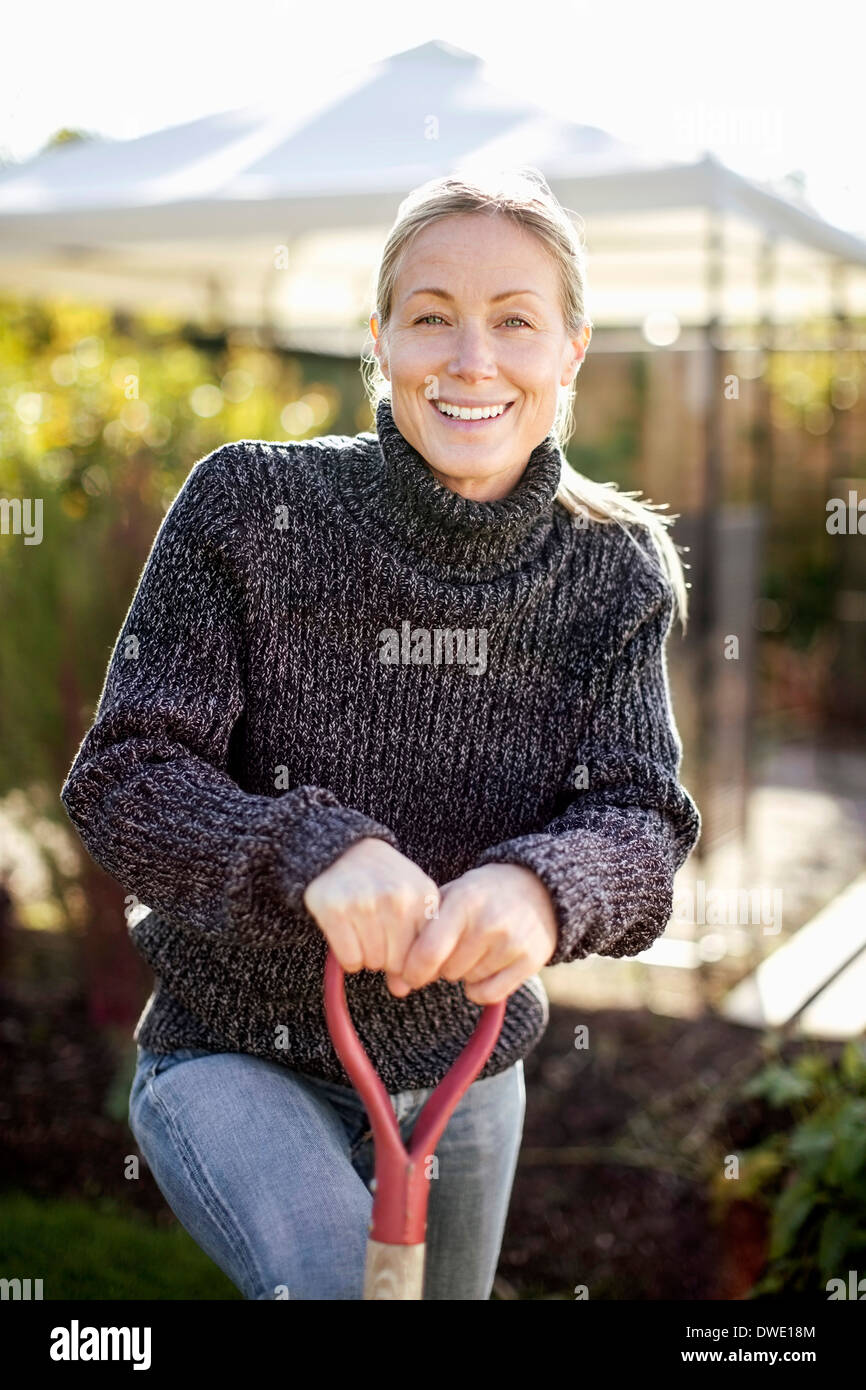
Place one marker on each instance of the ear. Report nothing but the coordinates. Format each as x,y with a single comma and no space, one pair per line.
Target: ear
378,351
578,348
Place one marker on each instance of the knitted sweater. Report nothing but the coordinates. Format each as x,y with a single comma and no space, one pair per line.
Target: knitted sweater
327,643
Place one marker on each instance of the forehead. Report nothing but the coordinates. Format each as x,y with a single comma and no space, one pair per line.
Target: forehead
480,252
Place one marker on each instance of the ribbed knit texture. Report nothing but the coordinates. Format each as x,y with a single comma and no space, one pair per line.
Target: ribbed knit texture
247,733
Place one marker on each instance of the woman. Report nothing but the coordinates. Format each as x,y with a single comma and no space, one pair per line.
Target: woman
404,693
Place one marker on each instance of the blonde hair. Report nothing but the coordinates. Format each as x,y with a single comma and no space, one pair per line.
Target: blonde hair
524,195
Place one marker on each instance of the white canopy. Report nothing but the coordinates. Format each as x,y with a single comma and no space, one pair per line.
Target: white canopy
278,215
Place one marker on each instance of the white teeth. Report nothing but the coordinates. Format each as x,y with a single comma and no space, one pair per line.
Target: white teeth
467,413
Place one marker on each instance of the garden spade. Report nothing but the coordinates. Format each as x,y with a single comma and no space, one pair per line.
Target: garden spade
397,1233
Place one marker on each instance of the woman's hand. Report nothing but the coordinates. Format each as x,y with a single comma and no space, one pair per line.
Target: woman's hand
496,926
371,904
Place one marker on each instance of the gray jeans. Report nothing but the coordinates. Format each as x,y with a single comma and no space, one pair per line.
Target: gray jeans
269,1171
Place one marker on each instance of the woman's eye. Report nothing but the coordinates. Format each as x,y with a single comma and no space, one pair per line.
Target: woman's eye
514,318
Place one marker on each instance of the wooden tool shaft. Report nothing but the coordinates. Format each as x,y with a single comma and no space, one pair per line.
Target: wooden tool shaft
394,1271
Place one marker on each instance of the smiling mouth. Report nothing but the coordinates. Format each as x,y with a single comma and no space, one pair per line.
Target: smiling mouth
464,419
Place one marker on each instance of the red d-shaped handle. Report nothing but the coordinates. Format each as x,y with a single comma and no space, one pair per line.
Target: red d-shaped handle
401,1190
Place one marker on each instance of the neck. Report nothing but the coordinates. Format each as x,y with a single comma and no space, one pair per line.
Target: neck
489,489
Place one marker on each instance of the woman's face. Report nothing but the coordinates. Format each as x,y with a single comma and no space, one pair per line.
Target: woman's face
476,321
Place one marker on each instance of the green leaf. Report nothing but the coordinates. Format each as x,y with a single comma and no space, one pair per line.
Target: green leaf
848,1157
810,1140
778,1085
791,1211
841,1233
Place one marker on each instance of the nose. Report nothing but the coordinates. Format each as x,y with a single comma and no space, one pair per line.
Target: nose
473,358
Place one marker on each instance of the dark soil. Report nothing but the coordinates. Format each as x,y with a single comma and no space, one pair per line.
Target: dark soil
635,1229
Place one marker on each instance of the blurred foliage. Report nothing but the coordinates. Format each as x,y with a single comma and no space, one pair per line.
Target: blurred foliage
617,456
102,419
810,1175
800,579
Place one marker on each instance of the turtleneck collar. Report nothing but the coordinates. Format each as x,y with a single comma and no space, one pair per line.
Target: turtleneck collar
393,488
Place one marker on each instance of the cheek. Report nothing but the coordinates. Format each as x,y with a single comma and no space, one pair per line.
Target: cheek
536,360
407,359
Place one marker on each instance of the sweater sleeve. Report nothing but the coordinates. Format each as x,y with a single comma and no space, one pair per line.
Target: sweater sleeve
149,792
625,824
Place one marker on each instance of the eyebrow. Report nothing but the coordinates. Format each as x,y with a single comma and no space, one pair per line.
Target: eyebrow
443,294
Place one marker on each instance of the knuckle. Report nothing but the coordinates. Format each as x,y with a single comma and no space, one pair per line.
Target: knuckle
474,899
426,956
374,952
499,931
356,901
399,898
347,952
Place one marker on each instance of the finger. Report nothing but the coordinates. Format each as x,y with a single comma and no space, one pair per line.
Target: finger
489,946
473,947
433,945
343,941
370,931
396,984
401,931
499,986
498,956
